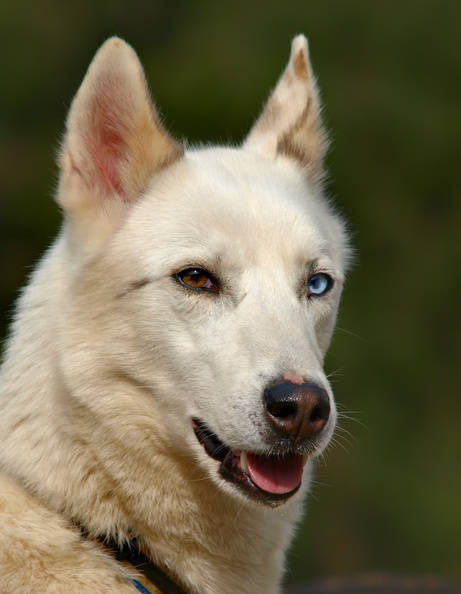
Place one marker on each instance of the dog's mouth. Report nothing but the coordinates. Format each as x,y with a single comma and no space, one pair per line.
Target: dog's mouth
270,479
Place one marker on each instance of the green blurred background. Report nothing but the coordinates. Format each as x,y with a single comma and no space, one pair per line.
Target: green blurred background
389,496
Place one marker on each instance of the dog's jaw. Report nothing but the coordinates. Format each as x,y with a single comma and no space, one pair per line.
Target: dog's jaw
269,479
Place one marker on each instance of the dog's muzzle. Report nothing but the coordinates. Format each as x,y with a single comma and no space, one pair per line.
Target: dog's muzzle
296,414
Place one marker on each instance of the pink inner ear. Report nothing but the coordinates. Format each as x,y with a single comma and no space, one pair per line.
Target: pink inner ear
106,151
106,140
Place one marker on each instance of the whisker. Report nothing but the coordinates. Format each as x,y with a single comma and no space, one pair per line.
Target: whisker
352,334
347,417
336,442
336,372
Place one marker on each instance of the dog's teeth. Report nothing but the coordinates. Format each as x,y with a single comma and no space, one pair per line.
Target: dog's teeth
305,459
244,462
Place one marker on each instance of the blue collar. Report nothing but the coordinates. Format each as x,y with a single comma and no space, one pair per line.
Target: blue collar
131,553
140,587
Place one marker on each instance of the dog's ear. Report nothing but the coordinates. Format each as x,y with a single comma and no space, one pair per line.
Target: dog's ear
114,140
290,122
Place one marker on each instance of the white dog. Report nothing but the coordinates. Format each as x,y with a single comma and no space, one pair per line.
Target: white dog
162,394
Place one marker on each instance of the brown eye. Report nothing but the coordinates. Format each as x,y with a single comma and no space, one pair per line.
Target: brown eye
197,278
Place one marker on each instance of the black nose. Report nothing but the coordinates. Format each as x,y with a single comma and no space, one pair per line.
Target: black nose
297,411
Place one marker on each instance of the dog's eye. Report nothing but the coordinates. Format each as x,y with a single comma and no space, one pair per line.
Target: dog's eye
197,278
319,284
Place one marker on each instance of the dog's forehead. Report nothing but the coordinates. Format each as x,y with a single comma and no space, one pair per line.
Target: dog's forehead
221,188
233,206
253,178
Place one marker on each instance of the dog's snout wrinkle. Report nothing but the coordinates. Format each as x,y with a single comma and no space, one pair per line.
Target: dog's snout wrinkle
297,411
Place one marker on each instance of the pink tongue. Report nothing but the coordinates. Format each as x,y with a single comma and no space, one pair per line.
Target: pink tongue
276,475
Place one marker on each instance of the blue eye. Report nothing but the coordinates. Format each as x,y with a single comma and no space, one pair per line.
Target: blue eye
319,284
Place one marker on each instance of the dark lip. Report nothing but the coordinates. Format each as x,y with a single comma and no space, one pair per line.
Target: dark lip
230,469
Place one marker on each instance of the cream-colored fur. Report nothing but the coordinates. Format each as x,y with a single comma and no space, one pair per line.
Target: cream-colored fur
110,358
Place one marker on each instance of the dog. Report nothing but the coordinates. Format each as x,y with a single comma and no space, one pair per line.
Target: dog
162,392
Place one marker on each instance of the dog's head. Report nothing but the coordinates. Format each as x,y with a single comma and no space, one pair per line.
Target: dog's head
211,277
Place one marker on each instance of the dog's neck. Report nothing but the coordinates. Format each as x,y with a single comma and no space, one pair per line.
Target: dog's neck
208,552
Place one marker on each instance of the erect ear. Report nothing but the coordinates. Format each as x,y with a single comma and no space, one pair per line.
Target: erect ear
290,122
114,141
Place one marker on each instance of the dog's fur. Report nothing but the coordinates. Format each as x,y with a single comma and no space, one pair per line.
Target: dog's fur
112,355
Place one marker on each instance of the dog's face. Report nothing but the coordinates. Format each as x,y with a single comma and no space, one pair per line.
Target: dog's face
215,274
235,299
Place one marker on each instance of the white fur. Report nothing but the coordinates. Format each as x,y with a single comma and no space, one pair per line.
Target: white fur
109,358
